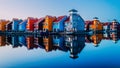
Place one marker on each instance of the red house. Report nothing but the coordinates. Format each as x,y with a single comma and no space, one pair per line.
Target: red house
30,23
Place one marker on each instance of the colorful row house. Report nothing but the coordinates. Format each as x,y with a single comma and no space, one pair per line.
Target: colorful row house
38,26
3,25
106,26
115,25
88,25
58,24
97,25
9,26
22,25
47,26
75,22
111,26
30,23
15,24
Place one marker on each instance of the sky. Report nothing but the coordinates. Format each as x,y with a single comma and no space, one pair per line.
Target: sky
105,10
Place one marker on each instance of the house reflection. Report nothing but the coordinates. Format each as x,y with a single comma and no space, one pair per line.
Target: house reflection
115,36
96,39
73,44
2,40
58,41
47,42
39,42
30,42
8,40
22,40
15,42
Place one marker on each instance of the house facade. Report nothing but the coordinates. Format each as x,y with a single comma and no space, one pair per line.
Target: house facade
47,26
58,24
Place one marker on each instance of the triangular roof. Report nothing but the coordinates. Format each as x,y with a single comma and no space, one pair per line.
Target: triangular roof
59,19
68,20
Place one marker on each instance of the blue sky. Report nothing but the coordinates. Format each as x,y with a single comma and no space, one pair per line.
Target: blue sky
106,10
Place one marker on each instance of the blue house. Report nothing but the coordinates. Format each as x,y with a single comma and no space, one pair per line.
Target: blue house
22,25
58,25
15,24
76,23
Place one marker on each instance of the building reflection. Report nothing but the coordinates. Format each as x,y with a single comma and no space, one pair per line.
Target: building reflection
30,42
73,44
2,40
96,39
15,41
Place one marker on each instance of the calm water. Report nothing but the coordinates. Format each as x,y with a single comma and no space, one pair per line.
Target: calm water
92,50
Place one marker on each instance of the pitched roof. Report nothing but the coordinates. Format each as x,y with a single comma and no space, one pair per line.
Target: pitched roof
68,20
88,22
40,20
49,16
106,23
59,19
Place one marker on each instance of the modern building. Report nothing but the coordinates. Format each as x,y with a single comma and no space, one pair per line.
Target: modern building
76,22
75,45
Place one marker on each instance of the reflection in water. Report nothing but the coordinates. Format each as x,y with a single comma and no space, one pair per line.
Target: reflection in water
67,43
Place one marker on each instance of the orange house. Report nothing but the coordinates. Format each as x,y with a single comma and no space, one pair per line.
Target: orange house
96,39
47,26
47,42
97,25
3,25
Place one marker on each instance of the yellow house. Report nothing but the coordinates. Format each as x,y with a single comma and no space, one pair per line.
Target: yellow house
3,25
47,26
97,25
